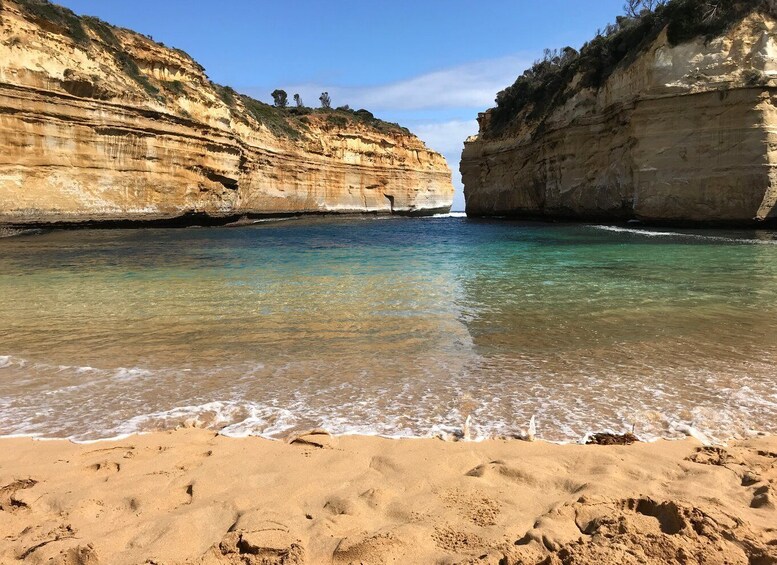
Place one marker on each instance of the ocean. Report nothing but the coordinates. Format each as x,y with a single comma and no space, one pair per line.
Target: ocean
394,326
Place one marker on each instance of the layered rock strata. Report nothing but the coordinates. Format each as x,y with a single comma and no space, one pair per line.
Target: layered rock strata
683,134
103,124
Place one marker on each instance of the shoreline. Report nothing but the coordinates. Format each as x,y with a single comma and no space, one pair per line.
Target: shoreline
192,496
446,437
447,434
202,219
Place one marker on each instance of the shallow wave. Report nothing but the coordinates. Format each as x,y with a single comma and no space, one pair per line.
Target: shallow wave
652,233
240,419
269,220
63,413
118,373
450,215
15,232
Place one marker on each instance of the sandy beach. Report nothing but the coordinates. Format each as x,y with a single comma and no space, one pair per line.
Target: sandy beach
191,496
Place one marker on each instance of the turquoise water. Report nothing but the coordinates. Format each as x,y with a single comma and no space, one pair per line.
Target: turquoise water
393,326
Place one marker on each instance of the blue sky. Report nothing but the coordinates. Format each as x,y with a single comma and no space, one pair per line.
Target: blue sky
431,65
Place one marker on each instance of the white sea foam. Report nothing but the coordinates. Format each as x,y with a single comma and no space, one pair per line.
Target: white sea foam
450,215
14,232
130,374
240,419
117,437
20,362
262,421
268,220
652,233
12,361
690,431
728,412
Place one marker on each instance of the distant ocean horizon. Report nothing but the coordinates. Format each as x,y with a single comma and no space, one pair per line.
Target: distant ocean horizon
393,326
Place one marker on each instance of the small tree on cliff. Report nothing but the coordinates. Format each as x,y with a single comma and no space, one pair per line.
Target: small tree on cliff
298,101
280,98
326,101
634,8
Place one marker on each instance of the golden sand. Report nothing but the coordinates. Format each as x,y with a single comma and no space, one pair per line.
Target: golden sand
194,497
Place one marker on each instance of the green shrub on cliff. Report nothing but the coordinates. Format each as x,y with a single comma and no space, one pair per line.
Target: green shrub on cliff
93,33
546,84
45,11
103,30
367,118
337,121
277,120
226,93
131,69
292,121
65,21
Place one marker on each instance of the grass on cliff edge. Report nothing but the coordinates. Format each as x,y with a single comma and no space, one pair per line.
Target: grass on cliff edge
67,23
293,121
285,122
545,85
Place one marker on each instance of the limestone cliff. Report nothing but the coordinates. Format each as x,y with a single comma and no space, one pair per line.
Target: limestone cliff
100,123
678,132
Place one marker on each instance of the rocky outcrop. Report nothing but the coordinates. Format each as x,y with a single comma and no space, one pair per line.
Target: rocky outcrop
101,124
680,133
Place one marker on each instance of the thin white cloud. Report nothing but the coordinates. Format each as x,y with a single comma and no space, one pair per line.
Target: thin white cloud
473,85
446,137
427,102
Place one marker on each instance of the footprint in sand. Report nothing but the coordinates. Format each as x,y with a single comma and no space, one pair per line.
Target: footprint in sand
257,537
375,498
46,544
647,531
9,499
129,451
529,476
385,547
756,471
712,455
763,497
385,466
338,506
317,438
474,506
453,540
106,468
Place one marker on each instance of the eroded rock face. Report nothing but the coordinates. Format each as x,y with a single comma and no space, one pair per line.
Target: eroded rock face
684,133
101,123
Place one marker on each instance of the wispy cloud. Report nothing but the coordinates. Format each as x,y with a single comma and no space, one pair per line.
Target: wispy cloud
440,107
446,137
472,85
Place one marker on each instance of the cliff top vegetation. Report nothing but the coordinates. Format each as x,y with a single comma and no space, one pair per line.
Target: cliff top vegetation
282,120
543,87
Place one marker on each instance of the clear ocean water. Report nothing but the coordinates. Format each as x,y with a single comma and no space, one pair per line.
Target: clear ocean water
392,326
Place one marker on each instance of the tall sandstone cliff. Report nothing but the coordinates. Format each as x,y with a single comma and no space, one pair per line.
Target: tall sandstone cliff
682,133
99,123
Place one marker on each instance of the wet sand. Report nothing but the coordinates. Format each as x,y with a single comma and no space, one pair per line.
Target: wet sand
191,496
